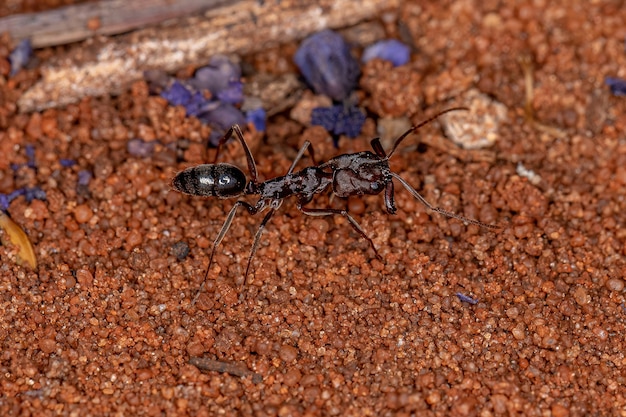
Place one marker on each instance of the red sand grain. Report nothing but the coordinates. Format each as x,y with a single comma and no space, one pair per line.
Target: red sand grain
107,325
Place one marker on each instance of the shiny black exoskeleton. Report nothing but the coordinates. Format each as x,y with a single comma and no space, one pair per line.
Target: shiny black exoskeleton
344,175
211,180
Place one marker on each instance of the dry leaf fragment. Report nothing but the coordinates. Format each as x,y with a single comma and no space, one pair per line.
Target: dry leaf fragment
17,238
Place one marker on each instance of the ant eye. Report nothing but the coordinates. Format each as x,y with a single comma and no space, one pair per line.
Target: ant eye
224,180
374,186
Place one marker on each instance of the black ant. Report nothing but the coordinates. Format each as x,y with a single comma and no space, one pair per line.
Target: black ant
346,175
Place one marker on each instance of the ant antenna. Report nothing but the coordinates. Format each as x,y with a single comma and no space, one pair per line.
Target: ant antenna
419,125
439,210
414,192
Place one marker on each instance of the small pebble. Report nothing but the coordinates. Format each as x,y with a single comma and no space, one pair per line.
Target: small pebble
180,250
288,353
559,410
615,284
581,297
133,239
47,345
478,127
292,377
83,213
84,277
519,333
356,205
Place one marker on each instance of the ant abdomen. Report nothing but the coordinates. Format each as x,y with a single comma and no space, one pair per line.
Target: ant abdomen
211,180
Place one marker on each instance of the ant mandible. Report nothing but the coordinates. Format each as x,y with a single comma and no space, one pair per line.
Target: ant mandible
346,175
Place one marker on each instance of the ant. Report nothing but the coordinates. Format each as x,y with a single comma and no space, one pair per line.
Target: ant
345,175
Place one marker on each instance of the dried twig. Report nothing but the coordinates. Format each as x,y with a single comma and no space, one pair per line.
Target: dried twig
529,85
212,365
109,65
106,17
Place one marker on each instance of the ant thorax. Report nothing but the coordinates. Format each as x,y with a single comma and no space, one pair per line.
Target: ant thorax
369,179
304,184
358,174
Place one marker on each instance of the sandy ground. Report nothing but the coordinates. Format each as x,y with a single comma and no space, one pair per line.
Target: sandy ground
106,326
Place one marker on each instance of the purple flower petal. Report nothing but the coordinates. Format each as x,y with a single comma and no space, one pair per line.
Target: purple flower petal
15,194
208,106
84,177
221,119
466,298
29,193
224,116
4,202
140,148
67,163
391,50
195,104
350,121
327,64
258,118
20,55
30,154
339,119
325,117
233,94
34,193
216,76
617,85
177,94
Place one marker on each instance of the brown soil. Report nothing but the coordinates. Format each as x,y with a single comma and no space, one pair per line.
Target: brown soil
106,326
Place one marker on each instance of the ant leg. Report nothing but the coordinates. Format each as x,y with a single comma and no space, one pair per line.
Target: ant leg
236,130
306,145
229,219
440,210
303,149
274,205
355,225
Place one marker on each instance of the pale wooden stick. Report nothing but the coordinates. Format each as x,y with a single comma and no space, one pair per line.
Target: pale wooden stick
106,17
108,66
